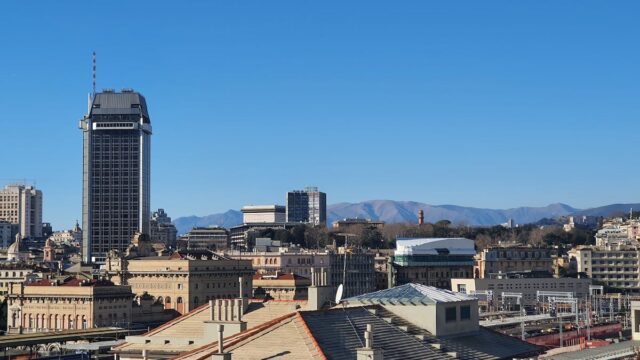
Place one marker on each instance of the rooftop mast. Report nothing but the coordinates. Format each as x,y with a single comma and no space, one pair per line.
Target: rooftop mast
93,94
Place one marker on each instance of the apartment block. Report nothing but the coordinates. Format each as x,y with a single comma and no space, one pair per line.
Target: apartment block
496,260
21,205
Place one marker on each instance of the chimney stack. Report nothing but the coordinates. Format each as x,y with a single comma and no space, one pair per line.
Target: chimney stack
420,217
221,355
368,352
220,339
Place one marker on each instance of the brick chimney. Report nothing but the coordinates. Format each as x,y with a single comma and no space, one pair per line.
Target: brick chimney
420,217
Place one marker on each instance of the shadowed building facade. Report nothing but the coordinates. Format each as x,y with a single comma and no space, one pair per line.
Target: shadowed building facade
115,177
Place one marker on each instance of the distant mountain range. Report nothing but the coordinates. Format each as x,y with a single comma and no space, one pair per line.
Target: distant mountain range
392,211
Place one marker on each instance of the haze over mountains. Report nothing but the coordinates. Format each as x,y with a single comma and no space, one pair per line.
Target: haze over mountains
392,211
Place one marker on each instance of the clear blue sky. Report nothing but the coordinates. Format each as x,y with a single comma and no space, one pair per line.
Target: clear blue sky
488,104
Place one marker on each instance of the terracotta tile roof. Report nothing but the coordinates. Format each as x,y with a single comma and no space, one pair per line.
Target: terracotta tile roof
279,277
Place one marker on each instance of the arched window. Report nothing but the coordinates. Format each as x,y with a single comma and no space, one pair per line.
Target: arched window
179,301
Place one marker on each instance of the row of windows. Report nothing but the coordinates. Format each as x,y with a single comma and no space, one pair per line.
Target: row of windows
115,165
104,125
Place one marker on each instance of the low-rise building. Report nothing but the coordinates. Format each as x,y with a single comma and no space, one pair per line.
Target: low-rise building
495,260
357,275
18,273
280,287
53,305
432,261
240,236
71,237
521,283
213,238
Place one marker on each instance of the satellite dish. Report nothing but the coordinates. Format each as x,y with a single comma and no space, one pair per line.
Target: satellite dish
339,294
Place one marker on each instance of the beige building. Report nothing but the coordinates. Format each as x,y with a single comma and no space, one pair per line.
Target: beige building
527,287
49,305
22,205
71,237
184,280
281,287
270,263
18,274
616,265
497,260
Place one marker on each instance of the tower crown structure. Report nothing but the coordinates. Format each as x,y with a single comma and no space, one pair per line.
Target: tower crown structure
116,172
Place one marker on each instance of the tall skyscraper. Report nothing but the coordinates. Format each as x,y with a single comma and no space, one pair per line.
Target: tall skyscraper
115,176
307,206
21,205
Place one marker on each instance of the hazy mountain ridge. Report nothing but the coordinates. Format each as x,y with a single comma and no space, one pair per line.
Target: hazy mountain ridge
392,211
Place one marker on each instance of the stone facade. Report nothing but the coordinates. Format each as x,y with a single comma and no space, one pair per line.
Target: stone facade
280,287
49,305
270,263
512,259
183,280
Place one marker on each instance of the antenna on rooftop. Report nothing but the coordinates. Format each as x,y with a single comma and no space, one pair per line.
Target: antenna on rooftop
93,94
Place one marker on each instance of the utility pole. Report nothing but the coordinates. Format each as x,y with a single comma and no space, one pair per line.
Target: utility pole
523,313
589,321
561,340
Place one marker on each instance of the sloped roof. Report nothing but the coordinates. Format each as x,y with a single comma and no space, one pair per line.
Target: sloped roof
339,332
416,293
107,103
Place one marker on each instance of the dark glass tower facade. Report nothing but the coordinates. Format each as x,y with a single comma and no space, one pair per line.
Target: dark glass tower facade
116,172
307,206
